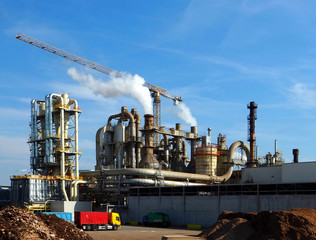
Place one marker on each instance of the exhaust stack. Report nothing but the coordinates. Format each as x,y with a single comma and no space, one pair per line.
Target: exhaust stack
252,162
295,155
148,158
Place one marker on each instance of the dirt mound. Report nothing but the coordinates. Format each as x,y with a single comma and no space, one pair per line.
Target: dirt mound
299,223
16,223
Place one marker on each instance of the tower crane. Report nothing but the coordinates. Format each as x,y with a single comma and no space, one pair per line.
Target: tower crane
156,91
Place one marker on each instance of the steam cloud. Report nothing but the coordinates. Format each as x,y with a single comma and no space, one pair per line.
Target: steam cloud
117,86
183,112
124,85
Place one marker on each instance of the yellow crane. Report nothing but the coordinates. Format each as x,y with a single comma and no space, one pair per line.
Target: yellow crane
155,90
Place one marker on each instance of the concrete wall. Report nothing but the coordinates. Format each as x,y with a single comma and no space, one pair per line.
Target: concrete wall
262,175
299,172
204,210
287,173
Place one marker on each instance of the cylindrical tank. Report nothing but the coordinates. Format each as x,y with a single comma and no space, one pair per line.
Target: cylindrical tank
206,160
119,133
108,147
222,155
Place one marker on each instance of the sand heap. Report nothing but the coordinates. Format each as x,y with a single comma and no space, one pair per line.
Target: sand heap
299,223
16,223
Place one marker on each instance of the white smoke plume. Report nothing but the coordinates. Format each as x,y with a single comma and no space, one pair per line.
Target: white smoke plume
183,112
117,86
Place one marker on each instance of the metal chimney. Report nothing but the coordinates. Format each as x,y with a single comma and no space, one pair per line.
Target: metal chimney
148,158
252,162
295,155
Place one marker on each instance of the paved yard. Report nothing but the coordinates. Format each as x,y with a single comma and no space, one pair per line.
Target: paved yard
140,233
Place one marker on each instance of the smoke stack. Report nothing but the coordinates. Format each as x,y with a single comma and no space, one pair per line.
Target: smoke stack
295,155
251,134
148,158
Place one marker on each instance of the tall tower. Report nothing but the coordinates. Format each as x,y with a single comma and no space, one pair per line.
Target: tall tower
252,161
54,136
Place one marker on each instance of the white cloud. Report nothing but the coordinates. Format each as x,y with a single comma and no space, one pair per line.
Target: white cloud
302,95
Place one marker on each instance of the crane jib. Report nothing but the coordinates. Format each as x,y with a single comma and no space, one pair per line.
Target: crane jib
157,91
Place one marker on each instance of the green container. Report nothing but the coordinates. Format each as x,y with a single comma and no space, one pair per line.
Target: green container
157,219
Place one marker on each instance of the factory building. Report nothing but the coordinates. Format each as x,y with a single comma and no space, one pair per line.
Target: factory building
142,174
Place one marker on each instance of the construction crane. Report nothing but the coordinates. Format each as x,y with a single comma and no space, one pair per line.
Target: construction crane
156,91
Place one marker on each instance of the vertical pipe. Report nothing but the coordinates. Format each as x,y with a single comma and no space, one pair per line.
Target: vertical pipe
138,140
76,150
62,146
76,139
34,154
49,127
166,149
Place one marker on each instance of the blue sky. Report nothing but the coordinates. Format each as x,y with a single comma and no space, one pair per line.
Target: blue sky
217,55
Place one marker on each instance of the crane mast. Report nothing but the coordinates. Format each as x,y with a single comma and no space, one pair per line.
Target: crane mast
155,90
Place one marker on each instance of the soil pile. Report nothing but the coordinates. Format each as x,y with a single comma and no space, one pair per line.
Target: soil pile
298,223
16,223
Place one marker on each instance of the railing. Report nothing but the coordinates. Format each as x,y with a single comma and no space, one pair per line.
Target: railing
227,189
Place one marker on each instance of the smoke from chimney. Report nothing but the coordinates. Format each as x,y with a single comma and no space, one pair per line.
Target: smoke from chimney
117,86
183,112
127,85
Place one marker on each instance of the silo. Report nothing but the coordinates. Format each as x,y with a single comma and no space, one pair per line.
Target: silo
206,160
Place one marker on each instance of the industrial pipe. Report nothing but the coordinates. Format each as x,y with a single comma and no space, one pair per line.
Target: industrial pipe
76,139
62,146
159,173
137,117
234,147
74,194
166,149
151,182
123,116
34,153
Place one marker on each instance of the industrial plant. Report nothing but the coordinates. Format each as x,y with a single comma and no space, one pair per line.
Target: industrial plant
142,166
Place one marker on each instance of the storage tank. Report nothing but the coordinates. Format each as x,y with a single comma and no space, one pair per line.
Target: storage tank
206,160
